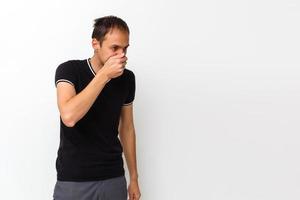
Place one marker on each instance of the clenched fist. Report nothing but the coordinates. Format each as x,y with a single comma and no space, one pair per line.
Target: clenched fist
114,66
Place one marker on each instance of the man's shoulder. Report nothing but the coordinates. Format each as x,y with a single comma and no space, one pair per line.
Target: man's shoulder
69,65
128,73
71,62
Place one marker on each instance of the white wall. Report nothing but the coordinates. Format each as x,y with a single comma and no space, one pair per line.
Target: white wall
217,100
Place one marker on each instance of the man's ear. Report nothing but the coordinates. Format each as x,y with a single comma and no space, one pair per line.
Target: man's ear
95,44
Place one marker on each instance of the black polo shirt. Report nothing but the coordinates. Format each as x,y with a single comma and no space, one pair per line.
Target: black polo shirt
91,150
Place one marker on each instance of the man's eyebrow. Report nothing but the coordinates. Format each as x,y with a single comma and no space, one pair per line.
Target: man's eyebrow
115,45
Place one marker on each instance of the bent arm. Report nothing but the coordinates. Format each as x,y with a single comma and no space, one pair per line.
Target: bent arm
72,106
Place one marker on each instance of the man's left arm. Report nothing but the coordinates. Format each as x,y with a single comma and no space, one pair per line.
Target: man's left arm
128,141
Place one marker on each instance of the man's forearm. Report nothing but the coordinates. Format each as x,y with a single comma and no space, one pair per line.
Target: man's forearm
128,141
78,106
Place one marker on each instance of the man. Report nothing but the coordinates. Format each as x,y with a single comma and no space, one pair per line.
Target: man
95,100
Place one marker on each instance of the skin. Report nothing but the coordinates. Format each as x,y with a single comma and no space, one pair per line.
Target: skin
108,62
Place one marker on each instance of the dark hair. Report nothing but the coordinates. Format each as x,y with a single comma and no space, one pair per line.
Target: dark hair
104,24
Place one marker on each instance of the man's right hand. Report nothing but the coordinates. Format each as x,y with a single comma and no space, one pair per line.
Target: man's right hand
114,66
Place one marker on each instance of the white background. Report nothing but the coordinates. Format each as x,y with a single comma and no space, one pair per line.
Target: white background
217,100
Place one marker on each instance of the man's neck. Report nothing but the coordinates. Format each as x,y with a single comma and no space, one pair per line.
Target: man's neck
96,64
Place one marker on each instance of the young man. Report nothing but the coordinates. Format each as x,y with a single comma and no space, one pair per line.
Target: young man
95,100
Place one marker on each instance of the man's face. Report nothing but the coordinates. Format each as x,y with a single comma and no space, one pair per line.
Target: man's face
115,42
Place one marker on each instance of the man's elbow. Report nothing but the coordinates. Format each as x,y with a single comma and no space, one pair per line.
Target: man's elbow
68,120
127,130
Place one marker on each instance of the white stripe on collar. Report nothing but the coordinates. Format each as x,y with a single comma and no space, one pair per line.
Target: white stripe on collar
88,62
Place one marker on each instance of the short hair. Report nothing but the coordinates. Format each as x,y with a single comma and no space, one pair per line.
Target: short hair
105,24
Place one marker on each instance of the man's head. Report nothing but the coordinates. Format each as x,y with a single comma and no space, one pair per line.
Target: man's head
110,37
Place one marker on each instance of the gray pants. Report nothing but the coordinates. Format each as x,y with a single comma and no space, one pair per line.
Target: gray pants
109,189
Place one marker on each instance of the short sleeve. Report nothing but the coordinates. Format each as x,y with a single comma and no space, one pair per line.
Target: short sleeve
131,89
66,72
